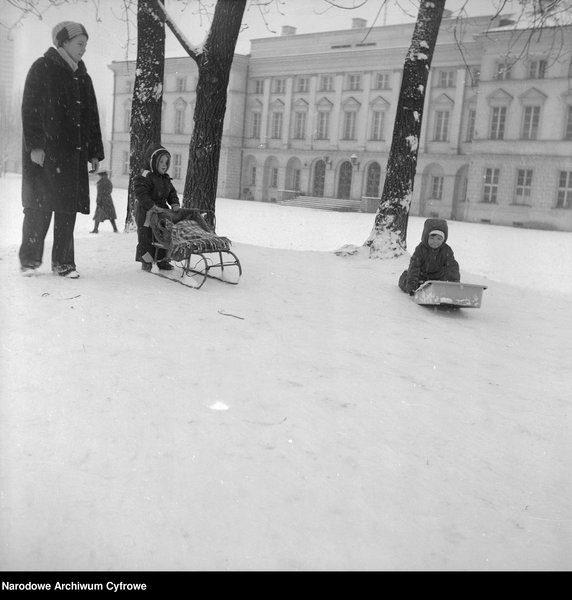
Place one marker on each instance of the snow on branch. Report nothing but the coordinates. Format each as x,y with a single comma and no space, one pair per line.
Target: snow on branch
191,49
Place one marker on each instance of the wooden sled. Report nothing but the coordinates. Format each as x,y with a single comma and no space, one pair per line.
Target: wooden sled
194,269
198,258
449,293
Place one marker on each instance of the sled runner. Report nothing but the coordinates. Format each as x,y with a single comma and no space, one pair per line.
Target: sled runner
448,293
195,253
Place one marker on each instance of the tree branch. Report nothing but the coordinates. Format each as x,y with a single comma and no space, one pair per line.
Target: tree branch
191,49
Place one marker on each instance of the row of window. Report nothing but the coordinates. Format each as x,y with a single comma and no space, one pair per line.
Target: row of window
444,78
523,187
535,69
441,124
380,81
322,131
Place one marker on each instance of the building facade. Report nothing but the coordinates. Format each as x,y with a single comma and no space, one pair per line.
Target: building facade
309,120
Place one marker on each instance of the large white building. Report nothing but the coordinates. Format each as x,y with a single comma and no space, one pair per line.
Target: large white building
309,120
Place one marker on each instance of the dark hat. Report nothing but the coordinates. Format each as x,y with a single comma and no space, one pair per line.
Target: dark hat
66,30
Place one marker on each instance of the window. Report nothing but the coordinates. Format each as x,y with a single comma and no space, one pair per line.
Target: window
319,177
354,82
296,179
536,69
179,119
381,81
377,120
323,129
349,126
530,122
568,133
446,79
299,125
471,124
177,164
279,86
127,116
498,121
564,199
490,188
373,180
274,177
326,83
181,84
255,120
503,71
125,163
523,186
276,128
259,86
253,175
441,133
303,84
475,76
437,187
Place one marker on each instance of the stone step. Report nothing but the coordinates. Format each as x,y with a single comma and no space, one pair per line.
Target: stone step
338,204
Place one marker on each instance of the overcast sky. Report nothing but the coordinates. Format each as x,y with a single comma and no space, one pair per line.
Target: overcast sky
109,34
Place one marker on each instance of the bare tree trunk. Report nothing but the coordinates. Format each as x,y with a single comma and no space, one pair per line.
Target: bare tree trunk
214,64
388,236
147,94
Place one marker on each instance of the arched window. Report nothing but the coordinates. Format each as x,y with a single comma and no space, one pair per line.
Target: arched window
345,180
319,176
373,180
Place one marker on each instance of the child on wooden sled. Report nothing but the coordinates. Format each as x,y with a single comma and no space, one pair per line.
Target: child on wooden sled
158,210
433,258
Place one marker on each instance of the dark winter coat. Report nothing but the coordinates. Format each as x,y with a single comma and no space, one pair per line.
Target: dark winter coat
105,208
153,189
59,116
431,264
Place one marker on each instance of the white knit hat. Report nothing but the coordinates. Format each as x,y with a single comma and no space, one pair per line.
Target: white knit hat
437,232
66,30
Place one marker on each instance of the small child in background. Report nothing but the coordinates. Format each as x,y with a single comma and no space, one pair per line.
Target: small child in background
105,208
153,187
432,259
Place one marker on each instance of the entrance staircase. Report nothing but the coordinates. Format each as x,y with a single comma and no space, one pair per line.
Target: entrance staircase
323,203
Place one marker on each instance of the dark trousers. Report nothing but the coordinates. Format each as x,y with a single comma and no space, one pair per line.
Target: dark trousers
145,250
34,230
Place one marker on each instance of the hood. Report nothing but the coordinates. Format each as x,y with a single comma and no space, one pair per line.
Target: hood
430,225
154,152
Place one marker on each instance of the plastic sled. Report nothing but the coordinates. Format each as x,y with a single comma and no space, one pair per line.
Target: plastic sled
449,293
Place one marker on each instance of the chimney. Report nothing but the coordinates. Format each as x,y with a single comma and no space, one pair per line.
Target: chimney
359,23
288,30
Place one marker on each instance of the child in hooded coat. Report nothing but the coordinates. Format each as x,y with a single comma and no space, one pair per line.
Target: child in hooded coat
433,258
153,187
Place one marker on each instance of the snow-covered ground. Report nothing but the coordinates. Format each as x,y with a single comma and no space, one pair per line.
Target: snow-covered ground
335,425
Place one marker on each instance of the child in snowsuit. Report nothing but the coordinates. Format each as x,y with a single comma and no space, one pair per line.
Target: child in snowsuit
153,187
105,208
433,259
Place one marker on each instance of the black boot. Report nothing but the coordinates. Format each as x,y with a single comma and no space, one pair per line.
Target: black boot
165,265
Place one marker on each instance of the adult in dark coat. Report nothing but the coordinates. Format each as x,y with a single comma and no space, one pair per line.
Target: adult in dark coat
105,208
61,134
433,259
